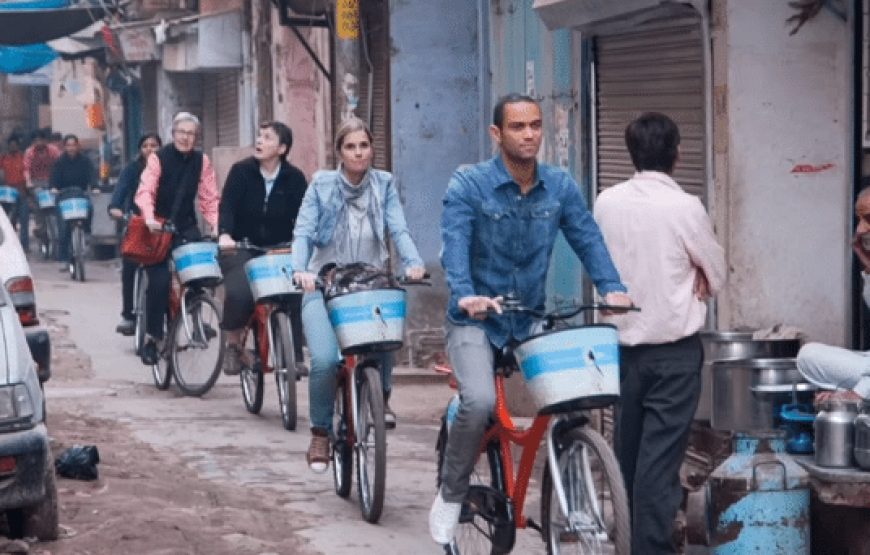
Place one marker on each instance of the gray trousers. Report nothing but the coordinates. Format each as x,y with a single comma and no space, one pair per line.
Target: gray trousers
471,356
660,387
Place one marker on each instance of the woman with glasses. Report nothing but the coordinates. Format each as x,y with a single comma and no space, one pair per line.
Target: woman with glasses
175,169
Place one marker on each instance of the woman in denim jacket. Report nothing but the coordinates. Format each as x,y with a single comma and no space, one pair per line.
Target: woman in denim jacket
344,218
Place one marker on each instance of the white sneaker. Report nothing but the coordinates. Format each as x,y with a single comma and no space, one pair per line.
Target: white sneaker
443,520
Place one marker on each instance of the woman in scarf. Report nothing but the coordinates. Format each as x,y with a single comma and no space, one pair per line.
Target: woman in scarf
345,217
121,205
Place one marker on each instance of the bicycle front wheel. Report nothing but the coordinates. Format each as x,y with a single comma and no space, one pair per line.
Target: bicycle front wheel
285,369
141,285
371,443
162,370
595,517
198,346
78,252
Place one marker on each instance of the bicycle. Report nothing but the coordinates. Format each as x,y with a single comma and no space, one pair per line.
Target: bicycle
140,285
9,201
366,322
74,207
193,350
48,239
584,505
271,280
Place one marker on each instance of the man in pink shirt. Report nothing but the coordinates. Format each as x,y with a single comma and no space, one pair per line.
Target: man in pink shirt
39,159
662,242
176,169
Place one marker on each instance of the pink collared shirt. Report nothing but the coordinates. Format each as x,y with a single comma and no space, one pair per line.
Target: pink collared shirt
660,237
207,194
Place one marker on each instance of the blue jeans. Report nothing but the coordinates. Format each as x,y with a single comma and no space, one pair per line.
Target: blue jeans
325,360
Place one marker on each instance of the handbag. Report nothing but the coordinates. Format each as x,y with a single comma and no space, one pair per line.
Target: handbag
146,247
143,246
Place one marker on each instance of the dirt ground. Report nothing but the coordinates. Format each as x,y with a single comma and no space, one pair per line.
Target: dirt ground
147,501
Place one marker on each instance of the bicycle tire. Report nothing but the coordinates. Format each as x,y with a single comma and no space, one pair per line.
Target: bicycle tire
486,524
162,370
371,443
595,495
78,250
197,346
251,376
342,454
49,244
140,287
285,369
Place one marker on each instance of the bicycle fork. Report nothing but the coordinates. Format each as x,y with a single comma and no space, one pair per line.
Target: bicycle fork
581,473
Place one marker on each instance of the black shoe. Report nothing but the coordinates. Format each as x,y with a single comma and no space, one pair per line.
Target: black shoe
150,356
126,327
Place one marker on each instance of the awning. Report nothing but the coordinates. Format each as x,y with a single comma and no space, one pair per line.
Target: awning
87,42
594,14
34,26
18,60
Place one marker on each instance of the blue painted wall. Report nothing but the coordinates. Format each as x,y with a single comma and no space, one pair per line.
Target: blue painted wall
435,115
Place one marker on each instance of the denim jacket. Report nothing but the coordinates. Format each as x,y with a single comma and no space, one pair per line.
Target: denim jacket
496,241
319,213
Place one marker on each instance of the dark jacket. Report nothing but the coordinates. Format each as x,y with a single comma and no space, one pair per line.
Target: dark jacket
180,174
70,172
128,184
244,212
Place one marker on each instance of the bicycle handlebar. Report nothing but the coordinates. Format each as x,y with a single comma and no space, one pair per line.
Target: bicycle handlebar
246,244
511,303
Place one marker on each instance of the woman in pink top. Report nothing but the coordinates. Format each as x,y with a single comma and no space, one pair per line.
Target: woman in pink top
176,169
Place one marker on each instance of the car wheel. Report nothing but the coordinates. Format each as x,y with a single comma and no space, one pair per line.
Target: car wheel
39,521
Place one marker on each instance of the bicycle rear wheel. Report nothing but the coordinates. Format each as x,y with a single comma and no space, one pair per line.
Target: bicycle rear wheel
197,345
78,252
141,285
595,519
285,369
342,454
371,443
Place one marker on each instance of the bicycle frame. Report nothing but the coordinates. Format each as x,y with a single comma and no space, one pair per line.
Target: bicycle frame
505,431
348,375
259,321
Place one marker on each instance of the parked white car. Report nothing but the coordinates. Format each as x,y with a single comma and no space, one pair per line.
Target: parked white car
18,281
28,486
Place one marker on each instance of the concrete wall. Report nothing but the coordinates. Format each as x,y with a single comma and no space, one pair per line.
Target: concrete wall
784,102
14,109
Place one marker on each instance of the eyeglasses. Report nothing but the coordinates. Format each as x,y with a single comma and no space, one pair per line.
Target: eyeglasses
182,133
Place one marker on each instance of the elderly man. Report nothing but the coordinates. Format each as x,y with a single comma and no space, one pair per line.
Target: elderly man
175,169
842,372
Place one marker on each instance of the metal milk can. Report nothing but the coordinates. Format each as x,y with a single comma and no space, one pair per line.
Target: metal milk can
835,433
760,499
862,437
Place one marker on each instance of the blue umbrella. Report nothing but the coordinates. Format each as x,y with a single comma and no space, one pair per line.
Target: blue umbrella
25,59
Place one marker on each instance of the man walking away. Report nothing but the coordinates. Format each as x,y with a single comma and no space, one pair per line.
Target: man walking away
662,242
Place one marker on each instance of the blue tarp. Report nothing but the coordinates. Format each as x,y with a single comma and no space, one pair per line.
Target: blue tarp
35,5
25,59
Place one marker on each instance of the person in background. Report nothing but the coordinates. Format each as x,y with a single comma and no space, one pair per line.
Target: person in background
72,171
839,372
345,217
39,159
259,202
498,229
663,244
120,206
12,164
176,169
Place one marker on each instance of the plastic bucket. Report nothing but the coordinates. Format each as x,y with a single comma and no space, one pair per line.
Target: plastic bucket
368,320
45,199
571,369
75,208
271,275
8,195
195,261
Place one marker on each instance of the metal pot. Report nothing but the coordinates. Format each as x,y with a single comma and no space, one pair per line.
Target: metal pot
735,345
835,433
748,393
862,437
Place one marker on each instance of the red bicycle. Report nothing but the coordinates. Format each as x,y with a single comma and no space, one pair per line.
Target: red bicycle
584,506
269,331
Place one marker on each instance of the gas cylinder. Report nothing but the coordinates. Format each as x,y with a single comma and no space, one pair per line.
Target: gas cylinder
760,499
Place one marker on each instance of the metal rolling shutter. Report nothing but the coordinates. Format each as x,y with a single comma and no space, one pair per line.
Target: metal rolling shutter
377,31
227,86
658,66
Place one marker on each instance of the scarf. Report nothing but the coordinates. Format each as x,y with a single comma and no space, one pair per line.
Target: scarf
360,199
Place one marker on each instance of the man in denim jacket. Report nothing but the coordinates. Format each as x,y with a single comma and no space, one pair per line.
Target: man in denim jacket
498,229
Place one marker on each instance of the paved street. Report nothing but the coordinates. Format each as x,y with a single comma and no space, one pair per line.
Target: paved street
223,444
